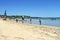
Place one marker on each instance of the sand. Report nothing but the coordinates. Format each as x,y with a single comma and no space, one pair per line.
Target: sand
10,30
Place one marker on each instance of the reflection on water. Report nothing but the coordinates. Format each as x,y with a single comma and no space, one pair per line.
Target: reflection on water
44,22
52,23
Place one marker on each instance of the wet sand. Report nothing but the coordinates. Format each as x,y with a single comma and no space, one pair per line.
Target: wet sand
11,30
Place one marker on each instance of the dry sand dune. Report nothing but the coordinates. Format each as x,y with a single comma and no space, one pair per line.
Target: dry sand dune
10,30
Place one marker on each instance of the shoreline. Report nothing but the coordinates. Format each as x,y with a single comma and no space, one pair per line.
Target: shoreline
11,30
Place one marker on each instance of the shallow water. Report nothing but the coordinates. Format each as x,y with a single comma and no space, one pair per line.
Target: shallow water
44,22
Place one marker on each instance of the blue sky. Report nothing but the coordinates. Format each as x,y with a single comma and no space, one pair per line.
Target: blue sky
38,8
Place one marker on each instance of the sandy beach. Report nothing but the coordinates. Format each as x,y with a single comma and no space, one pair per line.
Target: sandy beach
10,30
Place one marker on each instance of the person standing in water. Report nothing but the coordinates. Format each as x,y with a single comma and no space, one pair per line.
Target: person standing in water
22,19
40,21
30,20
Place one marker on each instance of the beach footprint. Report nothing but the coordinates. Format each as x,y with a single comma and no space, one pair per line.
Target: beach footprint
3,37
18,38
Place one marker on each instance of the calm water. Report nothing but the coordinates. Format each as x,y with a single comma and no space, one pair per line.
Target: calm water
44,22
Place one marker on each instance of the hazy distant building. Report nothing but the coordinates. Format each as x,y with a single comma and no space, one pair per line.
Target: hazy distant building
5,15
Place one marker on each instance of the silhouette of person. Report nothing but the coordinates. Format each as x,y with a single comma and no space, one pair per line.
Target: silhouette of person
16,20
22,19
40,21
30,20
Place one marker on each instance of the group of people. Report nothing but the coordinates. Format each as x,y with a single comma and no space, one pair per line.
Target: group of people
30,20
22,19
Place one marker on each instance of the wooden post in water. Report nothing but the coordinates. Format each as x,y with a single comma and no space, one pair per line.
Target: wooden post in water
30,21
40,21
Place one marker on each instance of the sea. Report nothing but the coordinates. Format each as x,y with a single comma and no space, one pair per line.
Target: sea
47,22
